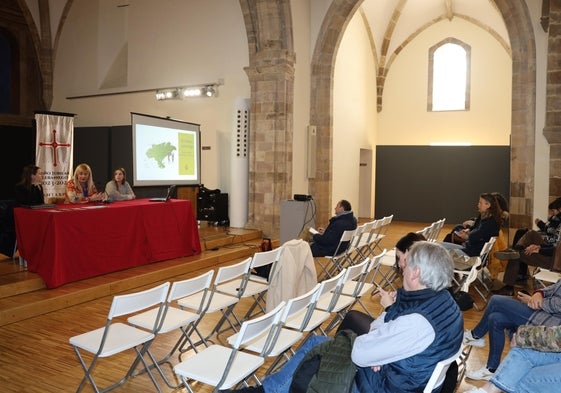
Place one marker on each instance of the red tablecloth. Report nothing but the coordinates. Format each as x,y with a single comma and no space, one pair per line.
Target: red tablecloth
72,242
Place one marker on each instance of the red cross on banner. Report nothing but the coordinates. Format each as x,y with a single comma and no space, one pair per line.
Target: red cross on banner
53,152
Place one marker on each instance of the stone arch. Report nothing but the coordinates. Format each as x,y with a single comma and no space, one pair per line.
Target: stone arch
519,26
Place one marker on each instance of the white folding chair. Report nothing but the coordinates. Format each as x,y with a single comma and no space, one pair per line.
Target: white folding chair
379,231
437,229
386,273
386,222
357,243
544,276
227,367
257,286
312,318
439,373
362,247
344,301
464,278
365,283
176,318
284,339
227,289
424,232
334,263
480,279
116,337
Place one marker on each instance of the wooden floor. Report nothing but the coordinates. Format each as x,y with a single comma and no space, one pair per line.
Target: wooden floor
35,323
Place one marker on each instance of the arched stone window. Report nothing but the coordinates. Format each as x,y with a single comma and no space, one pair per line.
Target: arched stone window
449,71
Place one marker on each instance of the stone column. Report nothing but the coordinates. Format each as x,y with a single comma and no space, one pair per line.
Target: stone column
552,130
271,78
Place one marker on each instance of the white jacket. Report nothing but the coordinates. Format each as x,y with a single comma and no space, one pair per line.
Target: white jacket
294,274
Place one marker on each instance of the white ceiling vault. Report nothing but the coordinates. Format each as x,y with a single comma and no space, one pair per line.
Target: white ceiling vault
394,23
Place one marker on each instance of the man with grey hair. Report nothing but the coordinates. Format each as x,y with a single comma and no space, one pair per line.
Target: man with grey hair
421,325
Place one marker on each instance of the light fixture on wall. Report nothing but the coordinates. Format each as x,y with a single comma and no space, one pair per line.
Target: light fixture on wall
180,93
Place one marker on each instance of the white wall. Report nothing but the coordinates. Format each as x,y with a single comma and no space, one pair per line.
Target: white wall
302,74
404,119
170,43
354,116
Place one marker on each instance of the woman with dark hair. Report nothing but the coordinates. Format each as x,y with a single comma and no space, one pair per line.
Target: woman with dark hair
29,190
119,188
488,226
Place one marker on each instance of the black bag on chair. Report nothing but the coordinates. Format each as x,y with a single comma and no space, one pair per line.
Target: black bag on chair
264,271
464,300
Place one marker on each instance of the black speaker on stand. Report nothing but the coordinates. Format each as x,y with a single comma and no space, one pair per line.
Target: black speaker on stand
212,206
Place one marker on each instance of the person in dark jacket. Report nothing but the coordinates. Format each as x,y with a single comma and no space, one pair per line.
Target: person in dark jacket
29,190
325,242
487,227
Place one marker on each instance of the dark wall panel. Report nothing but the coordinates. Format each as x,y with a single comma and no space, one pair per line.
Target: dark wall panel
425,183
18,151
91,146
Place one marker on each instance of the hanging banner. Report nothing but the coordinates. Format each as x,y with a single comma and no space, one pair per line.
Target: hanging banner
53,152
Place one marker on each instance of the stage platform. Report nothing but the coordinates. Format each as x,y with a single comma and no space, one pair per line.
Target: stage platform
24,295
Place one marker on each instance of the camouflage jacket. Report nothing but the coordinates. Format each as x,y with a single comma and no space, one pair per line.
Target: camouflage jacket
539,338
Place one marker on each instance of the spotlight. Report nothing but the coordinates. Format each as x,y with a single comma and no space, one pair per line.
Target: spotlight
179,93
210,91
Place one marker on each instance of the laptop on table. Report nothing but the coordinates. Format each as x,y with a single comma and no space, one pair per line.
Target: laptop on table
171,189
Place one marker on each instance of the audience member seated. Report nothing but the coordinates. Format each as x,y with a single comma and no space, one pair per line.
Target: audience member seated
326,241
546,237
496,265
119,188
421,326
81,188
506,314
472,222
488,226
533,364
537,255
29,190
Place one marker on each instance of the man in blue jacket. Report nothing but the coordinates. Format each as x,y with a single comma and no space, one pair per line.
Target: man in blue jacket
326,240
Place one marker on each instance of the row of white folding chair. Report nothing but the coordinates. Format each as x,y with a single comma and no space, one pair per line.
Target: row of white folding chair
373,233
285,338
117,336
225,367
341,301
177,318
374,245
355,245
431,232
196,297
276,340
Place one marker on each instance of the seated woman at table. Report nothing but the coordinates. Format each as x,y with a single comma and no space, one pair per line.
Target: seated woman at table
81,188
119,188
29,190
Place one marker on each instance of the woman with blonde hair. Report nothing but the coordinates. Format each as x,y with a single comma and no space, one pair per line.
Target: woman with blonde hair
81,188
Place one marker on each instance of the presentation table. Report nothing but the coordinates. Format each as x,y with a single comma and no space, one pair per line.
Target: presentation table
73,242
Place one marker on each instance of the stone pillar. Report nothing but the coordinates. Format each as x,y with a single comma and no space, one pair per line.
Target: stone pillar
552,130
271,77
